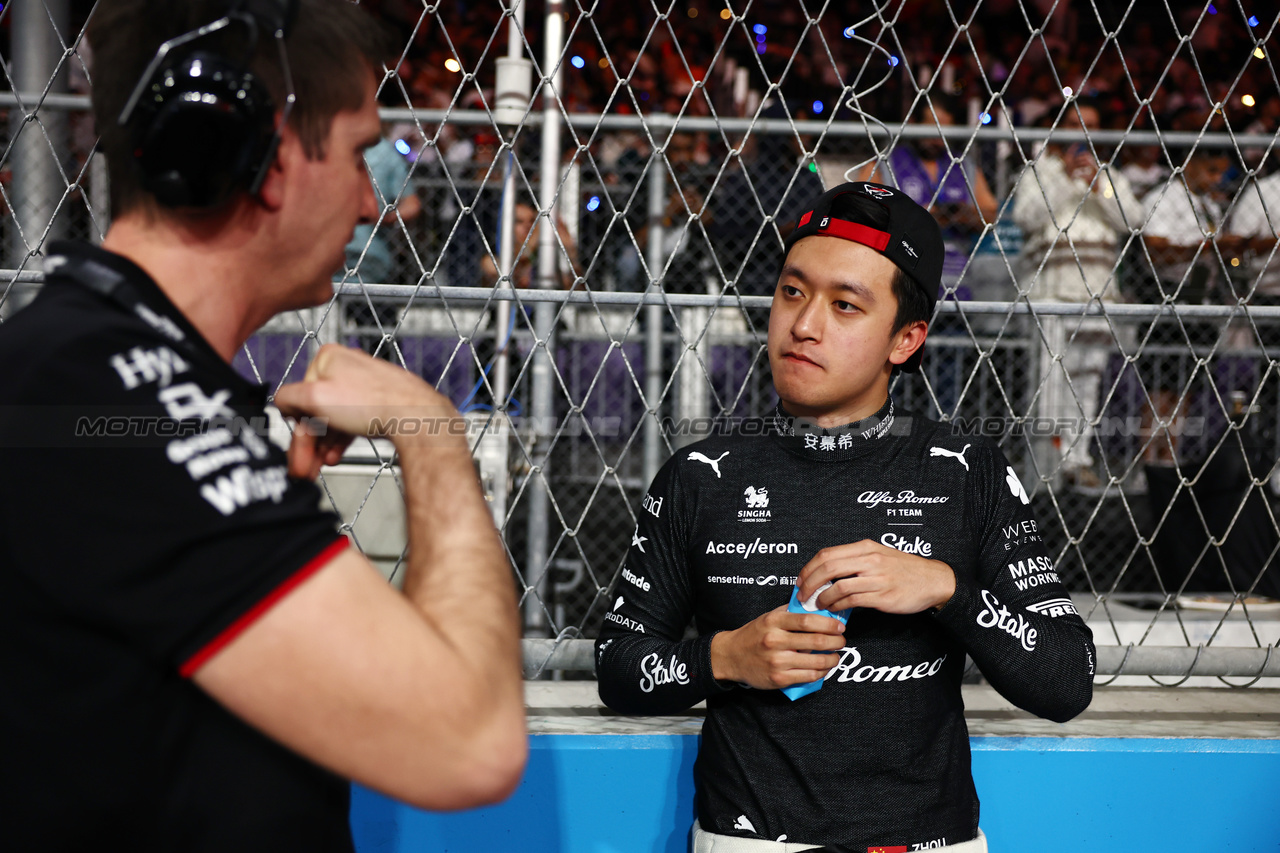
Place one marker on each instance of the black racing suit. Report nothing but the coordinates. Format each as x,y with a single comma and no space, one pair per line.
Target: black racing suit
880,755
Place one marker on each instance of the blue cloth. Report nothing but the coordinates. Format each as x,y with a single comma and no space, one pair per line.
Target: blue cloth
389,171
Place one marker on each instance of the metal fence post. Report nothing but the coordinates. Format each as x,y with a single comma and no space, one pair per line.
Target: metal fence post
653,321
544,329
38,181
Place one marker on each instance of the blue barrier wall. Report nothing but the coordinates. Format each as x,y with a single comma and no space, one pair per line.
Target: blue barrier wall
634,794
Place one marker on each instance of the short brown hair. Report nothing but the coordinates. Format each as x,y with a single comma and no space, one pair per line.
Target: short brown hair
332,46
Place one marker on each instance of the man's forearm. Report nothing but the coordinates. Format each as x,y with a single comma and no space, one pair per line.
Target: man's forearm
458,574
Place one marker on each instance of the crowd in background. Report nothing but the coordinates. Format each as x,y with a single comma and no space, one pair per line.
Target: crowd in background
701,59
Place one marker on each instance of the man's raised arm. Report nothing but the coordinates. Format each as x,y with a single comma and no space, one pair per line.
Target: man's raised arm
418,695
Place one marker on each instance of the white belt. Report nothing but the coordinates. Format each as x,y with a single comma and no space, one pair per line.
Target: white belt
710,842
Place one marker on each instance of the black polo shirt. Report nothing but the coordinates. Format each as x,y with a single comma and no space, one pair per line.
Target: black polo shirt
145,520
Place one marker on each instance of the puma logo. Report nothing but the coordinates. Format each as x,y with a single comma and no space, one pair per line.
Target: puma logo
695,456
942,451
742,824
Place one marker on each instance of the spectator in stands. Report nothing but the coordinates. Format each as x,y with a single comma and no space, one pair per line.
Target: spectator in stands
771,181
527,244
954,190
1075,215
1251,232
203,659
1181,219
1143,166
370,257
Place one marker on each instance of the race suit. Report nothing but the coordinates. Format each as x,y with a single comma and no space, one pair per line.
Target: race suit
880,755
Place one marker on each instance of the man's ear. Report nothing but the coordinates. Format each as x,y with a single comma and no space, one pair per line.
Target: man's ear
288,152
907,340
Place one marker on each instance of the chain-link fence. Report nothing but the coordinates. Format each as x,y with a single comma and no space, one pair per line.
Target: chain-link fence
584,215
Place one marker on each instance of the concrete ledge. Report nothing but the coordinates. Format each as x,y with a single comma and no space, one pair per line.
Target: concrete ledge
573,707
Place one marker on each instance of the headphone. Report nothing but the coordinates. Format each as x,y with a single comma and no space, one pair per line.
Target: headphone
202,126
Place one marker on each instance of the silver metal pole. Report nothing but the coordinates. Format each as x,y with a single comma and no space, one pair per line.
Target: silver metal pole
544,327
506,251
38,184
653,449
656,122
506,265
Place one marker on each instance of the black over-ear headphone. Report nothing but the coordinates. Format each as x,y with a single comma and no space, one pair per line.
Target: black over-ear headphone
203,126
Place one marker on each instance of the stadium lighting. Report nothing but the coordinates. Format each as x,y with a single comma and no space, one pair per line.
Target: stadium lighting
759,29
1247,100
451,64
893,60
985,118
725,14
1067,91
577,62
1257,51
817,107
403,147
1253,20
848,32
1235,262
593,203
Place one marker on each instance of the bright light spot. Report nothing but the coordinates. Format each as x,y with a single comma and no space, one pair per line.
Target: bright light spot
593,203
986,118
1235,262
1257,52
451,64
1247,100
577,62
603,63
725,14
817,107
403,147
1108,192
693,13
848,32
1253,20
813,167
1213,10
196,68
760,38
893,60
759,29
1067,91
761,47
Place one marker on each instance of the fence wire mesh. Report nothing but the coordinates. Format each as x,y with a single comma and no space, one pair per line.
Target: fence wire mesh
1106,182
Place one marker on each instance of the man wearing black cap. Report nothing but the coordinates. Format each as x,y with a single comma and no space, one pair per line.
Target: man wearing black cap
839,500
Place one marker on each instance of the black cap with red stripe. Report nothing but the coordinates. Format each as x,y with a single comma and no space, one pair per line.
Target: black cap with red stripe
910,237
